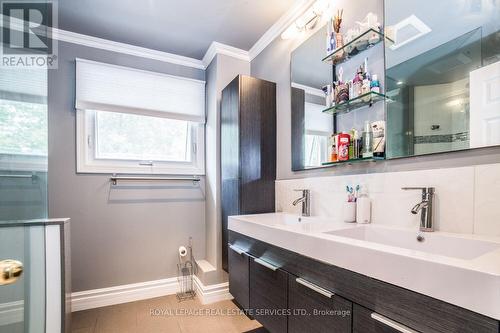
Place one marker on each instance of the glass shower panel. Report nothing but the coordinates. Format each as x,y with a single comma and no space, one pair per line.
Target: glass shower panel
22,296
23,197
23,143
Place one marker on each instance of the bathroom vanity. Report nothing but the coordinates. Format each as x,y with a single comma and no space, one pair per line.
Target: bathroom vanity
311,275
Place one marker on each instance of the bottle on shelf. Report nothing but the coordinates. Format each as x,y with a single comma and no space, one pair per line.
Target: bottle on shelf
367,140
378,129
333,148
343,141
375,84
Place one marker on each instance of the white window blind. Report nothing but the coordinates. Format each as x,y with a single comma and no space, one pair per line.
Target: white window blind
21,82
106,87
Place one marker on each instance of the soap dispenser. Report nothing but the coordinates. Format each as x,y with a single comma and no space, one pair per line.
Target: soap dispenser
363,207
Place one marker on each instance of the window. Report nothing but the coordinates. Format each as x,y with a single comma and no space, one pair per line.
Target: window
316,148
131,137
318,128
128,143
131,121
23,128
23,119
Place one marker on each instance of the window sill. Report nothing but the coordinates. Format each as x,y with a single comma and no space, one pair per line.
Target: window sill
139,170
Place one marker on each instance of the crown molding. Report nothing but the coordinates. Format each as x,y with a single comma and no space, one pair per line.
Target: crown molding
219,48
277,28
105,44
274,31
108,45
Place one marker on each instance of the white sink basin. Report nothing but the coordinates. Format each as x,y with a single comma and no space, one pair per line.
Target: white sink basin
445,245
463,270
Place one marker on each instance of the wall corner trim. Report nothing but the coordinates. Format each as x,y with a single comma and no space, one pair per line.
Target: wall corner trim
90,299
212,293
219,48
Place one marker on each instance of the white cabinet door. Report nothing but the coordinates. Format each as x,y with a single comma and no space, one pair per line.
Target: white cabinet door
485,106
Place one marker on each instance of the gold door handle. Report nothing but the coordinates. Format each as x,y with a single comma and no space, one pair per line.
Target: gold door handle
10,271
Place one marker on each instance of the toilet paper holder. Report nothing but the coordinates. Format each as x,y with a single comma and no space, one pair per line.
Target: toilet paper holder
185,272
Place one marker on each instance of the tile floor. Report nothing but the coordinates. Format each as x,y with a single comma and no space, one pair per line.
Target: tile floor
169,316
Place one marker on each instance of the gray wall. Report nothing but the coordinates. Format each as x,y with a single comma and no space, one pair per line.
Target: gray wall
124,235
273,64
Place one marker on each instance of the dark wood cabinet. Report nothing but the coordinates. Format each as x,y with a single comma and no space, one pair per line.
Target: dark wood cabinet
239,283
269,295
248,150
377,306
314,309
363,322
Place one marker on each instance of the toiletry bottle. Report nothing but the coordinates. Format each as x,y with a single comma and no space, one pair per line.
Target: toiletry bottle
333,151
378,129
343,141
375,84
351,148
363,207
355,143
366,73
367,140
330,37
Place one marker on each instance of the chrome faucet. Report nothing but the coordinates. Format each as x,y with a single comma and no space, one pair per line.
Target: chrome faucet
305,199
425,206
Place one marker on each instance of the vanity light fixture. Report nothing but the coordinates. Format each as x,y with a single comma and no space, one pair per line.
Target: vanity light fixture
308,20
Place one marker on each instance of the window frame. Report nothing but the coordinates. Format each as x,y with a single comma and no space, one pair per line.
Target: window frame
86,162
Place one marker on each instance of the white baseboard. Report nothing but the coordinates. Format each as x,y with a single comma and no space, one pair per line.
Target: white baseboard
212,293
11,313
89,299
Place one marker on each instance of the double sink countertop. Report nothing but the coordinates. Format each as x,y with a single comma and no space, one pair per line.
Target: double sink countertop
460,269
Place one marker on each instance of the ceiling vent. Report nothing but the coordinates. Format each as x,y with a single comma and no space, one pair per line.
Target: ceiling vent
408,30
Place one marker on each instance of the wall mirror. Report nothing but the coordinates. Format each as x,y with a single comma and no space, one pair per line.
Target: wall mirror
443,76
311,128
439,81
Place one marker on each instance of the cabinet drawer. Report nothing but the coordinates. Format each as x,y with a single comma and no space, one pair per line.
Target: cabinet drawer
367,321
268,295
238,264
326,312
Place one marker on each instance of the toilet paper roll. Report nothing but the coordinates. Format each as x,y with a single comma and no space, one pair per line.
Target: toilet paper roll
182,251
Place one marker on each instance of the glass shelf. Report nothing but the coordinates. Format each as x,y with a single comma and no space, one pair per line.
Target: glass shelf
355,46
353,161
367,99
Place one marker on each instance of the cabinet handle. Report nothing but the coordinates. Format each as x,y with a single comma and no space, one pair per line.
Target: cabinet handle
236,249
265,264
391,323
314,287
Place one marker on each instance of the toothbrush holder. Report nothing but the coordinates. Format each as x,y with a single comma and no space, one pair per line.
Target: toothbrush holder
349,212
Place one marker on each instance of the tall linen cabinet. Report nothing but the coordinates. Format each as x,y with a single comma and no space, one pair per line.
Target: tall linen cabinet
248,150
